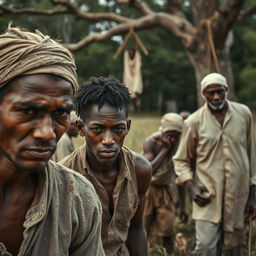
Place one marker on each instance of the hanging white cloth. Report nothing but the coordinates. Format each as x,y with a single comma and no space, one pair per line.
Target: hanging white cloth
132,77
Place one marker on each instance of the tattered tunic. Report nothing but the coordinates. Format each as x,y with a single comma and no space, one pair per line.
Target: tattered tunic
125,198
64,217
224,158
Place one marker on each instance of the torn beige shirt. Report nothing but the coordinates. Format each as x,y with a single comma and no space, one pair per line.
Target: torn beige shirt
224,162
125,198
132,77
64,218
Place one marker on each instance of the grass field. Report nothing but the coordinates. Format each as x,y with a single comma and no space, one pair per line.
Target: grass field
142,127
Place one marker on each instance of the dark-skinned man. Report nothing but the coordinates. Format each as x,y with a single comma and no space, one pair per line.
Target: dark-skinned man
45,208
65,145
120,176
215,161
163,196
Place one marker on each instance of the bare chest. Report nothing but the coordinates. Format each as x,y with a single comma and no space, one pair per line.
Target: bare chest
11,228
220,119
109,184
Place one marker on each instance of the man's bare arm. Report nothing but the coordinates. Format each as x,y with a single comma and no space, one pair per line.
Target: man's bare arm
155,158
137,237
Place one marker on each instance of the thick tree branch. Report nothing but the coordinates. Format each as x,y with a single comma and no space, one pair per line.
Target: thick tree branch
247,13
69,8
180,27
139,5
202,9
7,10
76,11
228,14
175,7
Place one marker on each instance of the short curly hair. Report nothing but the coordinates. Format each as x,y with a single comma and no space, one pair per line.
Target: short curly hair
100,91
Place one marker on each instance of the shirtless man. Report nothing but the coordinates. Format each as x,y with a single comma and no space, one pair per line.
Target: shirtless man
120,176
163,196
37,83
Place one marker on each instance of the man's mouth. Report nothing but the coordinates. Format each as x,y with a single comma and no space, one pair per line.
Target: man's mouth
43,153
107,153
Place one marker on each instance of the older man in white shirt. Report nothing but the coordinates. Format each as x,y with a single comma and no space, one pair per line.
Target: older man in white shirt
216,162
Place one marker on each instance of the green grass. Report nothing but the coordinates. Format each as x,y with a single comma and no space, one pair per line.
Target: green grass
141,128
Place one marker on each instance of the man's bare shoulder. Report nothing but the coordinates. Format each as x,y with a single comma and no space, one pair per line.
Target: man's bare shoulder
152,140
143,171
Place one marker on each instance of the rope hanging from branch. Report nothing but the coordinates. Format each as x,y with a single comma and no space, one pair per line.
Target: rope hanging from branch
212,48
139,43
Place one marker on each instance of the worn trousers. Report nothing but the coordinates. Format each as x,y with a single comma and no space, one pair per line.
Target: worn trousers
208,240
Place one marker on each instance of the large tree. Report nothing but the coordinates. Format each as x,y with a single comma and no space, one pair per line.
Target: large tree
204,27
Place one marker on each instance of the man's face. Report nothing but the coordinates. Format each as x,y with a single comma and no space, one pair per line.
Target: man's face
104,130
72,130
215,96
34,113
171,137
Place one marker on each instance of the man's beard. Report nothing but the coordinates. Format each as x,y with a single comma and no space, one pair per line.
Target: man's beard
219,107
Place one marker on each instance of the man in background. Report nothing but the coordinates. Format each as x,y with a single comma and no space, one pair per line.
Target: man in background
215,161
185,114
163,196
65,145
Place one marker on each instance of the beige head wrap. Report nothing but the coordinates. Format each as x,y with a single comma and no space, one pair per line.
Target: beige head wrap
26,53
171,122
213,78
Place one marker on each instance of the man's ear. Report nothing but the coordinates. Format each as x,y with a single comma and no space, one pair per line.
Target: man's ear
80,127
129,121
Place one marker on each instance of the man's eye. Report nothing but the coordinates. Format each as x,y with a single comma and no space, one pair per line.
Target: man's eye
61,113
119,129
97,129
26,111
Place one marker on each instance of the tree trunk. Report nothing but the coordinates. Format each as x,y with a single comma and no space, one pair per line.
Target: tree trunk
203,63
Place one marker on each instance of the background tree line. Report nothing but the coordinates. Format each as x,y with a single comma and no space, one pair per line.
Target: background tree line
167,72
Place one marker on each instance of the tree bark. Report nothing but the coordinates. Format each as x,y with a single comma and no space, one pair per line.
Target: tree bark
203,64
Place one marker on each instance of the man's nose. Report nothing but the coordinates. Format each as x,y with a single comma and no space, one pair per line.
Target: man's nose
108,138
216,96
44,129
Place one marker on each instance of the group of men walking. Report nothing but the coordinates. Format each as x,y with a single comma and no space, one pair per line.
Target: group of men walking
92,202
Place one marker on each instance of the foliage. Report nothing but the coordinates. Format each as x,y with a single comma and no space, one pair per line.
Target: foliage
244,62
167,72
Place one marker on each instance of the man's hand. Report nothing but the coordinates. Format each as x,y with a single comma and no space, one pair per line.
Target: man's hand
167,143
250,209
183,215
200,195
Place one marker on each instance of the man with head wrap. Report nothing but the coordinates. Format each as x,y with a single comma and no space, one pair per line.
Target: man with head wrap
45,208
65,145
162,199
216,162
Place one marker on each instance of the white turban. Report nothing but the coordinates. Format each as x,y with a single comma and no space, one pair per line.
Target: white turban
213,78
171,122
